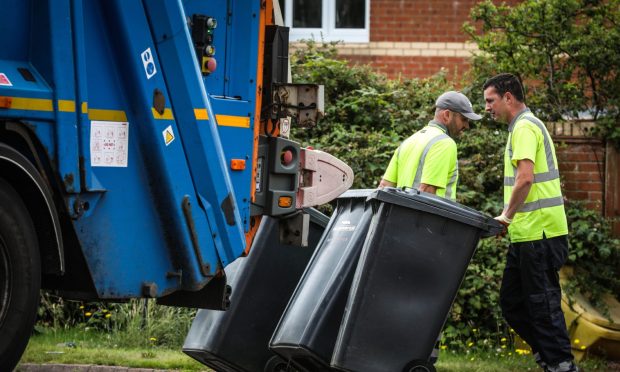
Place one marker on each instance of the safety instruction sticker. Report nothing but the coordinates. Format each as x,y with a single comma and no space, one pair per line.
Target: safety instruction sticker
149,63
109,143
4,80
168,135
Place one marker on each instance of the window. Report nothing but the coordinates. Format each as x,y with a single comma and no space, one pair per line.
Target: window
331,20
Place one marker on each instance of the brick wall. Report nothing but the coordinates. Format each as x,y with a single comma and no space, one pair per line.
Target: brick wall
416,38
582,169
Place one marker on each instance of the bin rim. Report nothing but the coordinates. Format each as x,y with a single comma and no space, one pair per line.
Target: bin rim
431,203
357,193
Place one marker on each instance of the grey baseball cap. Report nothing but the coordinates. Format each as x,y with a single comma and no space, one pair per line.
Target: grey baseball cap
457,102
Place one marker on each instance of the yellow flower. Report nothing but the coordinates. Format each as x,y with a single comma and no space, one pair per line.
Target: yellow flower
475,330
443,347
503,346
470,344
88,313
509,353
81,307
576,341
153,339
108,315
472,359
583,347
104,311
503,339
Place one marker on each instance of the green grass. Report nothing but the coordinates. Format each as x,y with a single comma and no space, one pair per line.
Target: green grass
79,346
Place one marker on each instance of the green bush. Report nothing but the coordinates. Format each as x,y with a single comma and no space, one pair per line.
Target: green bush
566,51
367,118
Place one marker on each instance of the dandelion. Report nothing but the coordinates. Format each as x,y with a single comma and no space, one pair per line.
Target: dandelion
503,346
472,359
153,339
509,353
88,313
475,330
576,341
108,316
444,347
503,339
81,307
582,347
104,311
470,344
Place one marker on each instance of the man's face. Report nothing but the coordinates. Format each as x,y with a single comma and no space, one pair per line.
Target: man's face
457,124
495,105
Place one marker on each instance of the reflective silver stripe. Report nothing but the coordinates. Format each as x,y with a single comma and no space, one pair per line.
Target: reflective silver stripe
547,140
540,204
538,177
552,172
418,173
452,181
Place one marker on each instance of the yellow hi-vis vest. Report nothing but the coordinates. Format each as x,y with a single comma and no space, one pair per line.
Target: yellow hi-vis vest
429,156
543,209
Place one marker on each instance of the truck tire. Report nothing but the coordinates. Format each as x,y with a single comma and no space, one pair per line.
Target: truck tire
20,276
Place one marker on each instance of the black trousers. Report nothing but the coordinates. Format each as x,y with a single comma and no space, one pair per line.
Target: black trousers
530,296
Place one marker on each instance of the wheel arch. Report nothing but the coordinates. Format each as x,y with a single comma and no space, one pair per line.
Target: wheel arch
36,193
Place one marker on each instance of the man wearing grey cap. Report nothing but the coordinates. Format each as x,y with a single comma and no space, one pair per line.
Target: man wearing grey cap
428,159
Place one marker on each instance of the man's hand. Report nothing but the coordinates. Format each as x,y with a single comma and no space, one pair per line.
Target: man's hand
504,220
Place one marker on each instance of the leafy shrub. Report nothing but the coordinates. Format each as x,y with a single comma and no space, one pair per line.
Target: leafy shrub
567,51
367,118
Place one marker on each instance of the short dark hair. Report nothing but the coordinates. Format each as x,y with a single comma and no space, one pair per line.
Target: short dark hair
506,83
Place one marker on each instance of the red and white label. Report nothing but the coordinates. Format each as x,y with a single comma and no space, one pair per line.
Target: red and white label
4,80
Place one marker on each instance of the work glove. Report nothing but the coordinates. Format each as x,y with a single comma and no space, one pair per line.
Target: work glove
504,221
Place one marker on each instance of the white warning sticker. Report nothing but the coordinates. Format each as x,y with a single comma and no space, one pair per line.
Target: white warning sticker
149,63
4,80
168,135
109,143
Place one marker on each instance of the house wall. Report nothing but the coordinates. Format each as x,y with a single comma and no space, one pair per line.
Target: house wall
415,38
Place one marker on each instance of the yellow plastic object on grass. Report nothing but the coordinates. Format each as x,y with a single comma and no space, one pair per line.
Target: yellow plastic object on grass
589,330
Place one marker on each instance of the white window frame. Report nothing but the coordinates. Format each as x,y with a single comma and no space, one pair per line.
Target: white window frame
328,32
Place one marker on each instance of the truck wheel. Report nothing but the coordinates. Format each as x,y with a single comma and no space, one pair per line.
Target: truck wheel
419,366
20,276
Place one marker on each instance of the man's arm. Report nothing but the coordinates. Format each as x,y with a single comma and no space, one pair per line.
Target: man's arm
428,188
523,184
386,183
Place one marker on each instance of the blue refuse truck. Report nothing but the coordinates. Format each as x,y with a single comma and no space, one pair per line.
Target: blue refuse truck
141,141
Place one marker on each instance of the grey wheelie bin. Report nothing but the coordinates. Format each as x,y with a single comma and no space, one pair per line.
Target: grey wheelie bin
307,332
411,266
237,339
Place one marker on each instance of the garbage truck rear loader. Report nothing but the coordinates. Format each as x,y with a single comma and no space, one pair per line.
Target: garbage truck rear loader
140,144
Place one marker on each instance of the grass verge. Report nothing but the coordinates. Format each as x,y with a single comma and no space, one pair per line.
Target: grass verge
79,346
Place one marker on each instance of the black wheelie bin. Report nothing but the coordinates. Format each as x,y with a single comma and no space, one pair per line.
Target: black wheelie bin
309,326
237,339
411,266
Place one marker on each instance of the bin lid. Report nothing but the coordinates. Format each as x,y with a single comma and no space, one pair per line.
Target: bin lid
357,193
430,203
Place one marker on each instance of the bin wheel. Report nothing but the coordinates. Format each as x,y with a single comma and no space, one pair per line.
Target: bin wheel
277,364
419,366
20,276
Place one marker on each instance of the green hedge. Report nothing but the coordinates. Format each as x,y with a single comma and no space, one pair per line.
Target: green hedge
367,116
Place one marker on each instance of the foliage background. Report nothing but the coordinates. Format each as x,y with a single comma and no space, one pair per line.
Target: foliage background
367,116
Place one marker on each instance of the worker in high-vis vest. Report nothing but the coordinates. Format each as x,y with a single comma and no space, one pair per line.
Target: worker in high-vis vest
428,159
530,295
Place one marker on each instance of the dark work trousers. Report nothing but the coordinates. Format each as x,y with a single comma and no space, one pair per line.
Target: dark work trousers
530,296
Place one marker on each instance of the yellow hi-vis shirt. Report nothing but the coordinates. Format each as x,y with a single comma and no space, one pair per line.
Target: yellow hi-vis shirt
543,209
429,156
